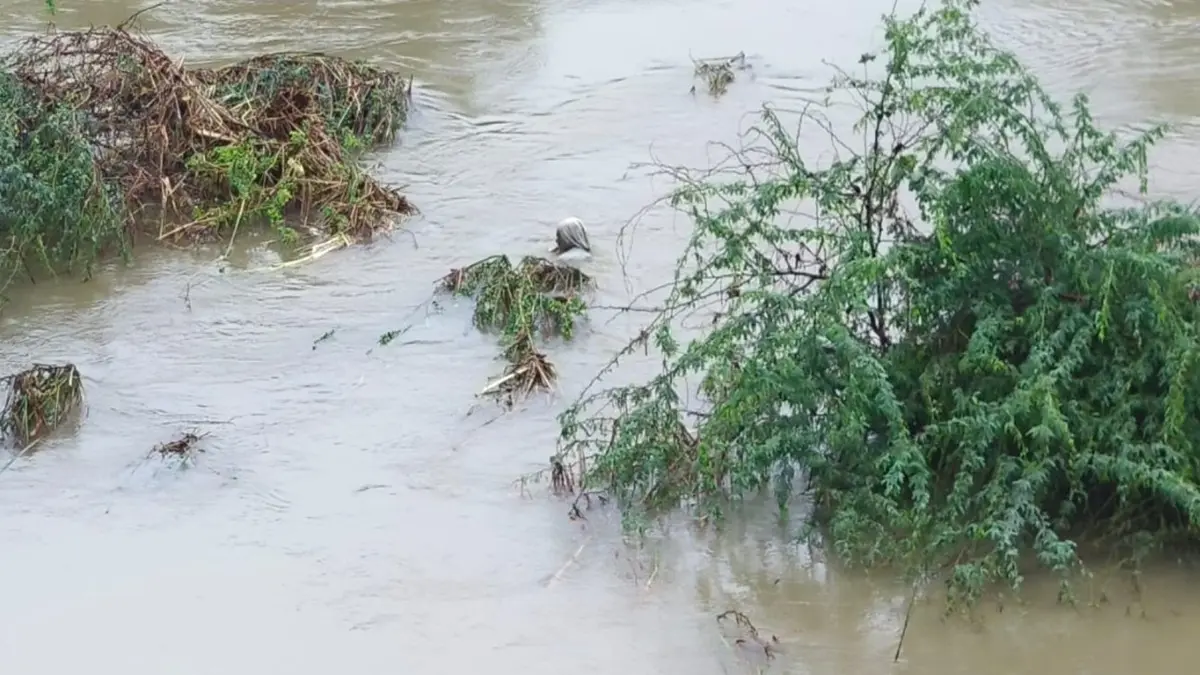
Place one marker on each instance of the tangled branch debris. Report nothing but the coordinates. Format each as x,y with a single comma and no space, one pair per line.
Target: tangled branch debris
270,139
359,102
534,297
39,400
183,448
562,482
750,637
718,73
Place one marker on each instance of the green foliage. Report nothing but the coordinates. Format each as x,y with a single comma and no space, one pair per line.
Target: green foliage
258,181
965,389
361,105
519,302
55,211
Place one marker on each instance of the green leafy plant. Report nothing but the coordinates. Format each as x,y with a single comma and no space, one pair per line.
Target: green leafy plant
56,213
261,182
519,302
962,387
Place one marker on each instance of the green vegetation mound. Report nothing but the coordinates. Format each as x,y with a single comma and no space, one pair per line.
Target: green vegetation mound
39,400
534,298
100,128
959,388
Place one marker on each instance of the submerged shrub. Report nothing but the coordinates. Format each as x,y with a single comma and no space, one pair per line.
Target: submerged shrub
978,383
55,210
40,399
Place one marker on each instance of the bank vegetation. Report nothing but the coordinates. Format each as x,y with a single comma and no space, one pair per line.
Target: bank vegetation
964,357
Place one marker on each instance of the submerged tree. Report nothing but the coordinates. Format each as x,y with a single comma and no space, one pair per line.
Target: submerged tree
1007,369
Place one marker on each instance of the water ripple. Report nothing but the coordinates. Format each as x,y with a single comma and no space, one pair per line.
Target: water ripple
354,503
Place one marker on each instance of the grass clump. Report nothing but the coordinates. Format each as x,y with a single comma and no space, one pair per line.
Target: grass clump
536,297
719,73
39,400
964,390
261,141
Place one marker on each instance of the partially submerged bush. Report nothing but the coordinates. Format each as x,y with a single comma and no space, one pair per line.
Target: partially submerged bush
215,147
520,302
536,296
55,210
718,73
975,386
39,400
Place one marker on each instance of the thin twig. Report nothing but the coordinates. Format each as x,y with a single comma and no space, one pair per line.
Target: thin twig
653,574
19,455
907,615
567,565
134,17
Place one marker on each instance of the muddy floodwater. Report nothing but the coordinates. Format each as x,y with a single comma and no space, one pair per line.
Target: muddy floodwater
349,514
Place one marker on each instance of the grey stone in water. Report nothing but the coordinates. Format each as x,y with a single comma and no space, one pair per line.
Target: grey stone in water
571,236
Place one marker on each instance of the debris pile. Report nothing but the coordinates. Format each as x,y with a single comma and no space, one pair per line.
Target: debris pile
719,73
271,139
182,449
39,400
360,103
536,297
746,636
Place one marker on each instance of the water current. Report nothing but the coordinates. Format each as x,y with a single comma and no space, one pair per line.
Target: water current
349,514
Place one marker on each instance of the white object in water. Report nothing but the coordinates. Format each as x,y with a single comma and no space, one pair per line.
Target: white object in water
571,240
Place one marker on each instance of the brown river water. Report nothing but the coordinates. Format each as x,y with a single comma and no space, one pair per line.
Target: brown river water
348,513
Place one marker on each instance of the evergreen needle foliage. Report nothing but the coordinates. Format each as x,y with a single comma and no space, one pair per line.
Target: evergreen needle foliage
988,385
